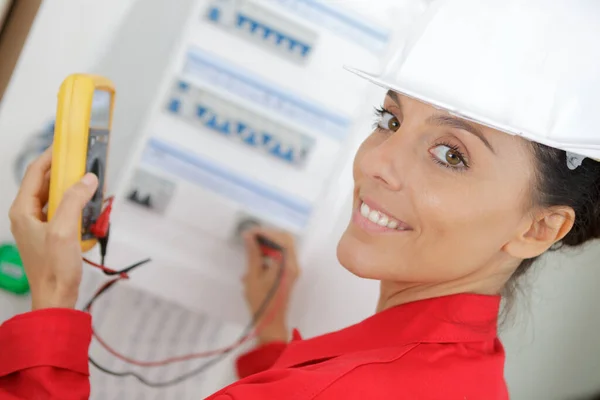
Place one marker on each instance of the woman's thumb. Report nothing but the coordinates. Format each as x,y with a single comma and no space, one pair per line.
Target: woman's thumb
253,253
75,198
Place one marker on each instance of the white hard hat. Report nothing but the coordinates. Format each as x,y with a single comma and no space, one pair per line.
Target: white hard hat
525,67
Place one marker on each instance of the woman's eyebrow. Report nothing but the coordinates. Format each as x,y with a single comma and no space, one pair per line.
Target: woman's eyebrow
454,122
394,96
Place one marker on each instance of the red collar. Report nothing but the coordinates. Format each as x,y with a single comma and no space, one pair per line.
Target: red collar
449,319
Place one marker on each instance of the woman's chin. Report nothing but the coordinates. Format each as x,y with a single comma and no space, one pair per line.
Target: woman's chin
354,256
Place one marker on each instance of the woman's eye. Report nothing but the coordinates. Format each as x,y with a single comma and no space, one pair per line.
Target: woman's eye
448,156
388,122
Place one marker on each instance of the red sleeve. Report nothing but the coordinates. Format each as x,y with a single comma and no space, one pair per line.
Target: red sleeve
44,355
259,359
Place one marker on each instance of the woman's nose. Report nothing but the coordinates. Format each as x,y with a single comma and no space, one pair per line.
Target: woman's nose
383,163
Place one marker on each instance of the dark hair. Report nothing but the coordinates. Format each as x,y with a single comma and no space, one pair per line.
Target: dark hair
557,185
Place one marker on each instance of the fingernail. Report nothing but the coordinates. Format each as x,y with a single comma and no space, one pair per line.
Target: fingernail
89,179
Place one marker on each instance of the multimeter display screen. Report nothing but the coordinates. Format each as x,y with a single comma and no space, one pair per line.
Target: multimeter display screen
100,116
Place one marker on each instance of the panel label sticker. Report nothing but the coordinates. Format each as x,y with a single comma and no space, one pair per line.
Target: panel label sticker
210,112
340,22
215,72
261,26
255,196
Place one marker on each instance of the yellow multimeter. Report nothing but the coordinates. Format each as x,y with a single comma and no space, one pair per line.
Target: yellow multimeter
81,139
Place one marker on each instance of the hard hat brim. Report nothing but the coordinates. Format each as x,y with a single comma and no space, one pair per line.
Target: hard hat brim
592,152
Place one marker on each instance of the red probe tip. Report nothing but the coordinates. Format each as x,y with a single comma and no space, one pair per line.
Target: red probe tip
100,228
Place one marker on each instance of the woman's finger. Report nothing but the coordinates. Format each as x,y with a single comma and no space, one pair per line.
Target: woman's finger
44,193
285,240
42,213
76,197
33,193
270,264
253,254
282,238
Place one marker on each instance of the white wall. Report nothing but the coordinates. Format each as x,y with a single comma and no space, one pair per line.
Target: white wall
553,346
553,349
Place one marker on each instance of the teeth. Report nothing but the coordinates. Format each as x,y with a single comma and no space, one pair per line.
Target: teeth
378,217
383,221
374,216
364,210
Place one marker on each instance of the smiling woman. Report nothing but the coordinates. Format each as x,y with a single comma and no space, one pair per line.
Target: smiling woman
474,169
446,206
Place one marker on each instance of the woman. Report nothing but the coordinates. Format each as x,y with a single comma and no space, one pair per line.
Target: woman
448,213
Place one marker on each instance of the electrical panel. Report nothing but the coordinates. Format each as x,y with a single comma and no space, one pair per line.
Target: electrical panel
248,127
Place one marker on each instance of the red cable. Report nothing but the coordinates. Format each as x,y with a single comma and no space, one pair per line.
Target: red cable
105,269
192,356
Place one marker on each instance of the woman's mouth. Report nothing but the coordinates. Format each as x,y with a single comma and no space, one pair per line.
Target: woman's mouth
369,218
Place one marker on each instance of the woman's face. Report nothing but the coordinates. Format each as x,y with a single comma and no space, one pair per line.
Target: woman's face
436,198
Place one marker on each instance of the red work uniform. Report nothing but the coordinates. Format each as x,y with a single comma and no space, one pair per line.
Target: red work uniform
444,348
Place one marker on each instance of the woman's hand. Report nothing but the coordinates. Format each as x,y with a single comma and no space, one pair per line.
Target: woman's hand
50,251
260,278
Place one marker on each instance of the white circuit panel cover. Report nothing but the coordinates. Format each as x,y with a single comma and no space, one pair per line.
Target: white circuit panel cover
250,123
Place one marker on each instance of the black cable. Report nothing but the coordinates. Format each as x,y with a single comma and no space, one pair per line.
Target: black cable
259,313
104,245
122,272
107,286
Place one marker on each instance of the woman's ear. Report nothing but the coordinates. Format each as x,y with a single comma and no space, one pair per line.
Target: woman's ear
540,231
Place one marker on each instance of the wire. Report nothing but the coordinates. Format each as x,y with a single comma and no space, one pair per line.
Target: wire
123,272
185,357
221,353
101,228
206,365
